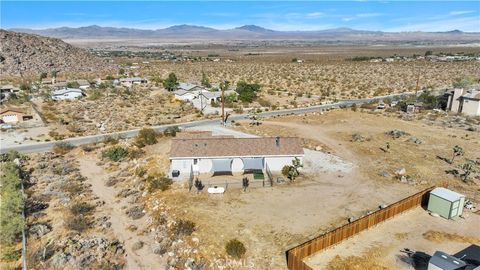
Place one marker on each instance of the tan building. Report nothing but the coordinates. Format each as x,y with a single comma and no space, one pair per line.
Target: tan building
13,116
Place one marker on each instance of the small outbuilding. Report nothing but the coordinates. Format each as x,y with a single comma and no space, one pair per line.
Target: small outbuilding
446,203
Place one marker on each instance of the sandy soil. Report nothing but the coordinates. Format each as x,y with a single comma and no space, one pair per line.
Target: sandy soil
115,209
403,231
268,220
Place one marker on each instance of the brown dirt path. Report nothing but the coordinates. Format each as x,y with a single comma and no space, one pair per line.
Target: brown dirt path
114,207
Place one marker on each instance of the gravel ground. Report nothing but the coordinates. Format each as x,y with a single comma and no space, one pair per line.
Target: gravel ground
316,161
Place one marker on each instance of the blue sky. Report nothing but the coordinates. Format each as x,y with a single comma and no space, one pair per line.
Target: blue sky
277,15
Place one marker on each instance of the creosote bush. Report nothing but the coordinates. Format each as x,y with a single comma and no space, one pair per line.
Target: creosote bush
78,223
81,208
115,153
158,181
11,254
62,148
183,228
146,136
235,248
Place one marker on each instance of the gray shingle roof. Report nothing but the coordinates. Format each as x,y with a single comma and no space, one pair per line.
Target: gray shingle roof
235,147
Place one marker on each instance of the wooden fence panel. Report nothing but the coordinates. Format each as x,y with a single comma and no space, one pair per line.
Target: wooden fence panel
296,255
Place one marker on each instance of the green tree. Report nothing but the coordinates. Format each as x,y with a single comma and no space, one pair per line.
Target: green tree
171,82
205,81
54,73
11,204
247,92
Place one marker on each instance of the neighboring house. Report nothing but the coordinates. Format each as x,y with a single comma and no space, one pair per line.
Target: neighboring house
131,81
414,107
189,87
13,116
6,91
184,95
220,155
464,101
67,94
83,84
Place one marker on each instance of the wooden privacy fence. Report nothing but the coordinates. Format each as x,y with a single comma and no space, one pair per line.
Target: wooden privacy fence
296,255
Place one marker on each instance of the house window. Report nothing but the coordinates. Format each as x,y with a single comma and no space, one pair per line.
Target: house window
195,161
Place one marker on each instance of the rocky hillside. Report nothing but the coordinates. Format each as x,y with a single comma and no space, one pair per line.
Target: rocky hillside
22,54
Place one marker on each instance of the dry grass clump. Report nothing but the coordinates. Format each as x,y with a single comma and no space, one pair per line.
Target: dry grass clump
438,237
370,260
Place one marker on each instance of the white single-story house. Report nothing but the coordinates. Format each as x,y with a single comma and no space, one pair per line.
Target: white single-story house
220,155
131,81
67,94
464,101
184,95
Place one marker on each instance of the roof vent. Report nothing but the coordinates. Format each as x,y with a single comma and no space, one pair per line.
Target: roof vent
277,141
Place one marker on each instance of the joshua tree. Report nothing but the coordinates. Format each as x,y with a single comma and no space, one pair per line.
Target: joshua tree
291,171
245,183
199,185
468,168
457,151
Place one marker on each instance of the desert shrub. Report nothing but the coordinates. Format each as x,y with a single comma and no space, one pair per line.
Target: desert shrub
264,102
115,153
171,131
140,171
110,140
11,156
235,248
183,227
146,136
62,148
78,223
354,107
81,208
158,181
134,153
73,188
11,254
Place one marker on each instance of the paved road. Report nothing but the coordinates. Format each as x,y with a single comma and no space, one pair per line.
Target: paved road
46,146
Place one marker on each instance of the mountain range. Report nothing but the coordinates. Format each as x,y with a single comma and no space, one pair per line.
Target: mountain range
246,32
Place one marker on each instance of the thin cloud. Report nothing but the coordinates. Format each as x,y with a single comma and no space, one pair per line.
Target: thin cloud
369,15
467,24
315,14
461,12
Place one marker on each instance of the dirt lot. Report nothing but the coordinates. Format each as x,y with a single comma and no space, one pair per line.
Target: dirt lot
408,230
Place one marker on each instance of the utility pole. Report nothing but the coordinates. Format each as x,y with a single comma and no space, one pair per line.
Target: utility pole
222,87
201,102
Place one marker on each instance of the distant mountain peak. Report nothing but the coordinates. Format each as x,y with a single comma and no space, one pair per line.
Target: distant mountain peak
254,28
187,27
